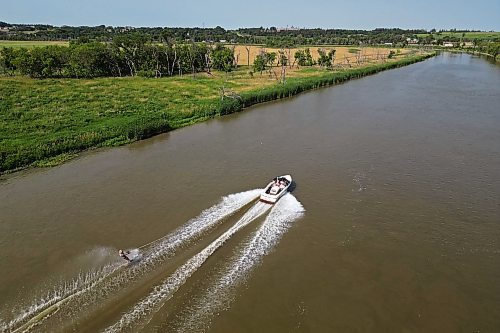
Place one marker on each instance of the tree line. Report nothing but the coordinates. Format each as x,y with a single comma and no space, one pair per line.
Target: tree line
271,37
303,57
126,55
493,49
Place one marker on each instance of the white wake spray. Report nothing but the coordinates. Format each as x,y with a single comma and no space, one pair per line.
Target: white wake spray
110,278
219,297
83,282
142,312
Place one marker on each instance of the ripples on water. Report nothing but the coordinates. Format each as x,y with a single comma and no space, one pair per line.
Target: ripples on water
88,288
220,294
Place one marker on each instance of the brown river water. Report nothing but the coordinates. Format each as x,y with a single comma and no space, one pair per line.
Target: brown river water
393,224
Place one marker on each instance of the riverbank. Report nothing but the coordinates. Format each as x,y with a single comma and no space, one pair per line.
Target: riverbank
47,122
472,52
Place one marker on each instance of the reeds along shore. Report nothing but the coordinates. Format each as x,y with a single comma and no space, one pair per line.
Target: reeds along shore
63,144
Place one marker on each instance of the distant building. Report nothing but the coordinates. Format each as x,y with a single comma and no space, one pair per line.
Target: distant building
126,29
388,44
292,28
223,41
448,44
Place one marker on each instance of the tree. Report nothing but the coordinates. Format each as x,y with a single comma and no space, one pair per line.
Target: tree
7,59
170,52
222,58
282,58
247,47
304,57
259,64
331,55
300,57
90,60
326,59
283,61
132,45
42,62
493,50
271,58
323,59
309,59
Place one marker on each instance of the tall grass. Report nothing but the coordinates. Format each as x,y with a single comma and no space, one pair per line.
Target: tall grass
42,121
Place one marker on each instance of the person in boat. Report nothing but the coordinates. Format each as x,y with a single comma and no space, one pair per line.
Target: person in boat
123,254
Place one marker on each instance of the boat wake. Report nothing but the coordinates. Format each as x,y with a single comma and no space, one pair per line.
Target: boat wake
104,281
70,304
219,296
141,313
49,304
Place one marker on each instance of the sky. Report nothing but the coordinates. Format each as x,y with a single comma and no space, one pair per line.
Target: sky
345,14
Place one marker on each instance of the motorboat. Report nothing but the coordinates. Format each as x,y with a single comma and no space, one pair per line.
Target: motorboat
276,189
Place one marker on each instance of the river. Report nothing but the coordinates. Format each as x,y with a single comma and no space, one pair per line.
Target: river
393,223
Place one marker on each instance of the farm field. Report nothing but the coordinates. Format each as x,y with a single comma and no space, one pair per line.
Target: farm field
17,44
341,52
491,35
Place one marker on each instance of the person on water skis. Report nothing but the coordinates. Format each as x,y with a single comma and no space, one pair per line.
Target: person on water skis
123,254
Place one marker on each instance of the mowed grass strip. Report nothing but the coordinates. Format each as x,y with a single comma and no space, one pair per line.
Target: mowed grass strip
30,44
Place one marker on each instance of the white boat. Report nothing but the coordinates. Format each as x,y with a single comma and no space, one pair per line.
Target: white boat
276,189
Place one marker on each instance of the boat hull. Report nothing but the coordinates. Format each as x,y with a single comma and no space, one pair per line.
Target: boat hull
272,192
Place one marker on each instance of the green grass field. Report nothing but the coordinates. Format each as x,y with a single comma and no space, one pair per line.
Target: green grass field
44,122
468,35
15,43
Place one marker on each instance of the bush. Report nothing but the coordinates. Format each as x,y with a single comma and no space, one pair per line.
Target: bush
223,58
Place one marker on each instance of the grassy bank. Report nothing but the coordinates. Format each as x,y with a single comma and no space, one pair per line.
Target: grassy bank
474,52
45,122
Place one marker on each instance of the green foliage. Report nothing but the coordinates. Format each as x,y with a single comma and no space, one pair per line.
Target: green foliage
282,59
42,62
222,58
271,58
259,63
300,57
391,54
263,61
7,59
325,60
493,49
304,57
90,60
127,55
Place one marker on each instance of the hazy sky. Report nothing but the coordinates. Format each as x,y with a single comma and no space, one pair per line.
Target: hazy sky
350,14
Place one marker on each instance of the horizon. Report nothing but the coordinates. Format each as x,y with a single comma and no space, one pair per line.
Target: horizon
248,27
362,15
